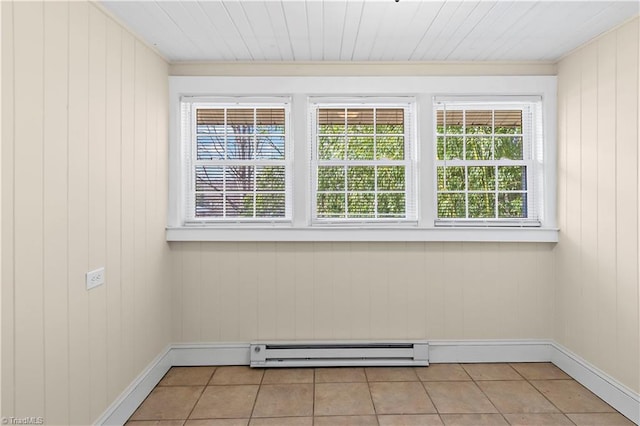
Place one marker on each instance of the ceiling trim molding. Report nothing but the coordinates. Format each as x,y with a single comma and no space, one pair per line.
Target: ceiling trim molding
326,68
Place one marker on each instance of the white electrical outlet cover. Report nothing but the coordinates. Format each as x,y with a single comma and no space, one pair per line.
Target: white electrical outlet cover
95,278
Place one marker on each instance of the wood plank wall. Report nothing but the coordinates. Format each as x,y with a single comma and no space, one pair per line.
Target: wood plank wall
248,291
84,185
597,256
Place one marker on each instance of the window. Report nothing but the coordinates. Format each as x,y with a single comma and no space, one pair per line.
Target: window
362,162
485,163
369,158
237,162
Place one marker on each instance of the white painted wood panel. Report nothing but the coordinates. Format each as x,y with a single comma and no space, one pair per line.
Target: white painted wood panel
72,142
597,256
351,27
56,308
627,200
216,13
28,223
7,269
286,291
97,206
333,29
78,219
267,292
369,30
358,290
113,140
606,228
294,18
258,19
589,194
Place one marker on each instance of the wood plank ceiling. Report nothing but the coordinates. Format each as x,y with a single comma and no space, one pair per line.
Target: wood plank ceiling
369,30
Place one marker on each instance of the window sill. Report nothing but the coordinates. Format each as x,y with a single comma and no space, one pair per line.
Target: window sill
467,234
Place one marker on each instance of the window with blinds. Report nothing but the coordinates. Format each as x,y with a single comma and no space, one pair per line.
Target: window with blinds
238,163
485,163
362,163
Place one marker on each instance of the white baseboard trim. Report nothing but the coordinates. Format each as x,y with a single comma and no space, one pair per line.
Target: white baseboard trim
210,354
129,400
597,381
610,390
472,351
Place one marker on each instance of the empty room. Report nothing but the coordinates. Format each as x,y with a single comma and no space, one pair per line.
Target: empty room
320,212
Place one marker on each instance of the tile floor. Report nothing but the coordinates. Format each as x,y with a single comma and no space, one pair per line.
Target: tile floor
442,394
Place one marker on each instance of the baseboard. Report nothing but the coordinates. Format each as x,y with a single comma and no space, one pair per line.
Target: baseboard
597,381
129,400
473,351
440,351
210,354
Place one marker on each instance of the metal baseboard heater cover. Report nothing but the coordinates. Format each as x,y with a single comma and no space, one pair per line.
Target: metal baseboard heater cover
339,354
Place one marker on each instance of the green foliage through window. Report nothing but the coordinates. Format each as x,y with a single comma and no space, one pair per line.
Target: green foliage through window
481,172
361,172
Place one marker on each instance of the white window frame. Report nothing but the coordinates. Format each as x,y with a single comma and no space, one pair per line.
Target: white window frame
532,157
189,105
409,162
300,89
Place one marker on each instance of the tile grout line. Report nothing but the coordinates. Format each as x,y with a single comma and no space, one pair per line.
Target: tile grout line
487,396
429,396
550,402
489,399
204,388
313,399
373,404
255,401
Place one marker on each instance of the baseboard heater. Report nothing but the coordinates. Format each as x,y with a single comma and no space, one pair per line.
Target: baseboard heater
339,354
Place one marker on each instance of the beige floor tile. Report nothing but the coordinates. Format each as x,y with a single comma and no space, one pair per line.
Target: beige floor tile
237,375
539,371
287,375
400,398
442,373
282,421
187,376
340,375
168,402
410,420
287,400
391,374
539,419
491,372
342,399
345,421
217,422
516,396
232,401
155,423
599,419
458,397
571,397
473,420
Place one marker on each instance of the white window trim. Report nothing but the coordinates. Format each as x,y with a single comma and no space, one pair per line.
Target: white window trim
533,159
300,90
189,104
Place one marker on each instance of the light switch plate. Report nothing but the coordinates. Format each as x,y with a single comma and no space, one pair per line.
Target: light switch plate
95,278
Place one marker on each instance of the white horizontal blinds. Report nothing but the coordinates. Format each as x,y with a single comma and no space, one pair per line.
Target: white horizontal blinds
362,163
239,163
484,167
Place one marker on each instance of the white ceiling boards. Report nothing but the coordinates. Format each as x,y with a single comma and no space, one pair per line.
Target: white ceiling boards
369,30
